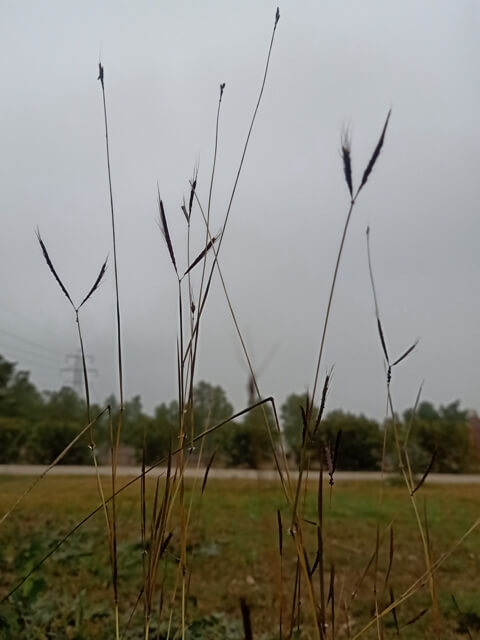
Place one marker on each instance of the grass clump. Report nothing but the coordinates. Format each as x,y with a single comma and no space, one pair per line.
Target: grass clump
195,558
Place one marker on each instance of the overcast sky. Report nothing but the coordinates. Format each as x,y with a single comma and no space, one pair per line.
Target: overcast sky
334,65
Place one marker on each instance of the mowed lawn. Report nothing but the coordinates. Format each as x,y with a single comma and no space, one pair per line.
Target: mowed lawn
233,554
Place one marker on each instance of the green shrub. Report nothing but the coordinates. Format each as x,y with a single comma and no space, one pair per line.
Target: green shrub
50,437
12,436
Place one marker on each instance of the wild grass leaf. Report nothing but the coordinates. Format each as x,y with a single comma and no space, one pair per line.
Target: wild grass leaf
100,73
193,186
52,268
404,355
331,596
209,464
416,617
394,612
322,403
280,532
203,253
304,424
96,284
375,154
165,231
185,212
390,557
382,340
427,471
347,161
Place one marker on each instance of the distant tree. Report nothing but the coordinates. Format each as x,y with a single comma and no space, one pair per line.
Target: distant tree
210,406
65,404
13,435
292,423
360,443
49,437
158,432
445,431
132,416
6,373
247,443
18,396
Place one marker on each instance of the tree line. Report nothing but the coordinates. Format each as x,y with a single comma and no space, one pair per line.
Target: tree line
36,426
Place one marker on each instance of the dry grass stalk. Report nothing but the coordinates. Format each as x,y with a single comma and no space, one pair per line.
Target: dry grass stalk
340,252
331,598
402,453
85,374
320,550
461,617
280,588
394,612
101,76
247,624
391,552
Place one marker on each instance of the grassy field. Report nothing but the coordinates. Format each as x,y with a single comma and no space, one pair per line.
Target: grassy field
233,555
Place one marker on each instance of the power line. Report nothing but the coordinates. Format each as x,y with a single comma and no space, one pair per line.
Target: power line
31,342
28,319
34,359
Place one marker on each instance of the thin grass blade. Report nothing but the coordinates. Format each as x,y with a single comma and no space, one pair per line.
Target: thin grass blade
210,462
427,471
394,612
247,624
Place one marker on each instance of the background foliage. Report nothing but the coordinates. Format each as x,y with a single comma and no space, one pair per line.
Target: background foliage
36,426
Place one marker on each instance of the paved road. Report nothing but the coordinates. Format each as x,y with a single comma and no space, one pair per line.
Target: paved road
241,474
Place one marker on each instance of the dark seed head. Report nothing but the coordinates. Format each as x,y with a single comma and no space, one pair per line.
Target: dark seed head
347,161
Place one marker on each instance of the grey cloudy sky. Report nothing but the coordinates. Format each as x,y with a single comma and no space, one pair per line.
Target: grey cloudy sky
334,64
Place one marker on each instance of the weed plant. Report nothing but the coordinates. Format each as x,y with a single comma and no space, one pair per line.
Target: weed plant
311,600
